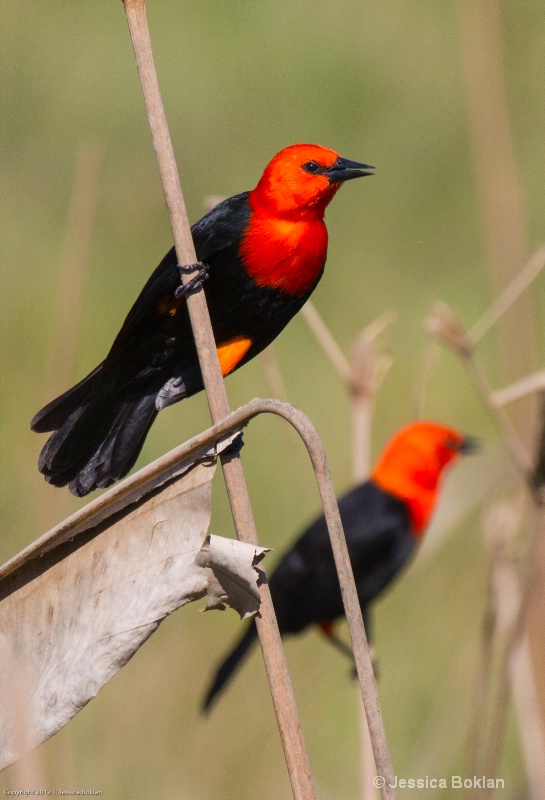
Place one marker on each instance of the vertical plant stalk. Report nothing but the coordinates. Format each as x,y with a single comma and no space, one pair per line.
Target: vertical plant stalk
273,653
327,342
516,671
497,182
362,367
475,746
501,526
445,326
360,647
273,374
506,299
505,227
361,377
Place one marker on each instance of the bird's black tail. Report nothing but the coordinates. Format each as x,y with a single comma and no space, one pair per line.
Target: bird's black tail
97,435
229,665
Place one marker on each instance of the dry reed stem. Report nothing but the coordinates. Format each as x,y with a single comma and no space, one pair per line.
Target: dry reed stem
515,391
510,436
459,343
444,325
327,342
275,662
500,195
514,669
475,745
273,373
360,647
275,382
348,370
501,525
526,704
427,363
361,388
361,376
505,224
509,295
510,601
368,370
286,711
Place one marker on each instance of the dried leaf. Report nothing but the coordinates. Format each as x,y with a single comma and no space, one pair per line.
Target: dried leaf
233,575
75,607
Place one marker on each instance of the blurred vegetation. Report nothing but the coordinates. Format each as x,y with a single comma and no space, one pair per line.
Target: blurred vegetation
381,83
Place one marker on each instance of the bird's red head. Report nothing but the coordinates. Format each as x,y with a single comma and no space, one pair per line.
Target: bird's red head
285,243
412,463
303,179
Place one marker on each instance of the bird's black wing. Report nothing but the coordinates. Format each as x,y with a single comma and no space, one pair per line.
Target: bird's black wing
220,228
378,535
305,587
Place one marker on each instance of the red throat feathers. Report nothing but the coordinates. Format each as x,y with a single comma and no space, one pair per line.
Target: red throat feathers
412,464
285,245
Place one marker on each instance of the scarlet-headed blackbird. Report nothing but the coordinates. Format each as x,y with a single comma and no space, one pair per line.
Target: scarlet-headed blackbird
264,252
383,519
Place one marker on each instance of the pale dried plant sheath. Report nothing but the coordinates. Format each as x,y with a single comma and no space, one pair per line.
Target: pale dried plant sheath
73,615
232,580
77,604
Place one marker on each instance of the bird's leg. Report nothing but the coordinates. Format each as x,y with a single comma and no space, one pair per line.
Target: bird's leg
341,646
329,633
195,283
344,648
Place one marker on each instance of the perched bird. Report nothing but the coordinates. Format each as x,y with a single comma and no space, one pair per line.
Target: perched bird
383,519
262,252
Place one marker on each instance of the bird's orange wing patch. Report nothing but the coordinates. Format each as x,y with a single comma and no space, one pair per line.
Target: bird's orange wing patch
231,353
327,627
168,304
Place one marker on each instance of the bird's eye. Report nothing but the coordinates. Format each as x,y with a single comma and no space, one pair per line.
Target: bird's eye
312,167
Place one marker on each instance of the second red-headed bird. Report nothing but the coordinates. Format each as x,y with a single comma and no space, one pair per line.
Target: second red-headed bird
383,519
265,252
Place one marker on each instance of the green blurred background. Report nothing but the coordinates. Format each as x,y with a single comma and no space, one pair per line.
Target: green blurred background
378,82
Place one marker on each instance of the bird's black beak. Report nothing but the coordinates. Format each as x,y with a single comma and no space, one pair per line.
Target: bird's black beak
468,445
345,170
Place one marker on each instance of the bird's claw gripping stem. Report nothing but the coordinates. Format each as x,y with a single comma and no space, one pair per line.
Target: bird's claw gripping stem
195,283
